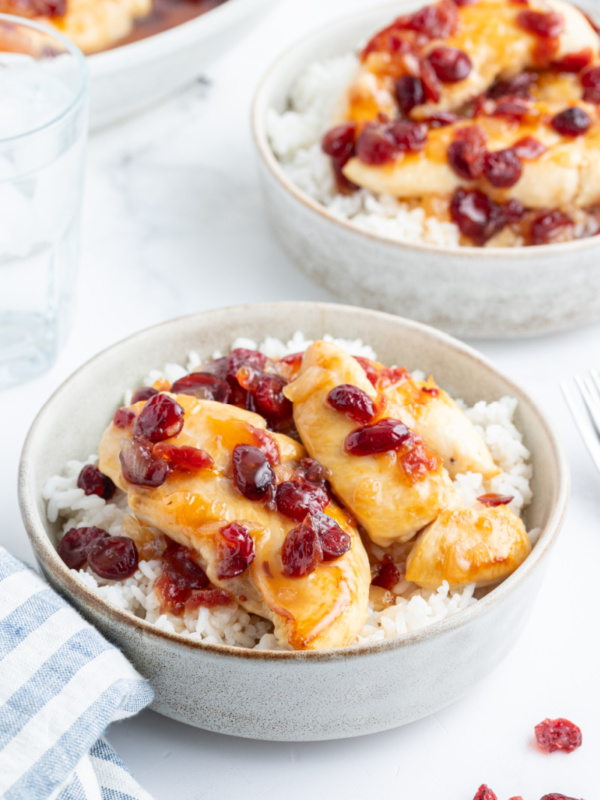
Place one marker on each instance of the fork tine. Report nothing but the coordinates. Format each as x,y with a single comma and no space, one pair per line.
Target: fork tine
583,425
591,400
596,379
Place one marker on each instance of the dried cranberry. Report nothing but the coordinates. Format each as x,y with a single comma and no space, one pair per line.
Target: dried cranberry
573,121
139,464
209,598
557,796
352,401
529,148
417,462
143,394
389,376
92,481
519,85
466,153
267,444
590,80
334,540
181,567
369,369
217,367
237,551
493,499
512,107
204,386
513,210
502,168
161,418
548,24
50,8
476,215
74,545
298,498
113,557
408,136
435,21
375,145
558,734
545,51
430,81
549,226
441,119
409,93
432,390
123,417
269,397
484,793
574,62
301,550
339,141
450,64
185,458
388,575
344,186
241,357
311,471
387,434
252,473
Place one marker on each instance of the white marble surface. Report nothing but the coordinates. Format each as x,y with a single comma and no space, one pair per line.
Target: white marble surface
173,224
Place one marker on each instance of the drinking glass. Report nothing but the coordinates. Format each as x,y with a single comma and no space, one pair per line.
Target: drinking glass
43,123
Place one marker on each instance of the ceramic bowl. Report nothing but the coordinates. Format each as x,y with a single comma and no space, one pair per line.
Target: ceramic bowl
492,292
129,78
296,695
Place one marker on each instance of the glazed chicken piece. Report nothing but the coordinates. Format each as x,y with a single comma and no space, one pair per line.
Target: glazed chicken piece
389,499
432,413
196,508
559,175
487,32
469,545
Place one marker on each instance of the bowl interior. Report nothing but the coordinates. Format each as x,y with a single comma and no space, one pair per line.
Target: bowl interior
72,421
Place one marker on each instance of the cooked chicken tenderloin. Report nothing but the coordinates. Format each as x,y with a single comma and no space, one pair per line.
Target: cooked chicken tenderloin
200,508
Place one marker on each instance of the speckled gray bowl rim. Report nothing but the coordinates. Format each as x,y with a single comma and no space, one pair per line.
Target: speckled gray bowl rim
48,555
261,96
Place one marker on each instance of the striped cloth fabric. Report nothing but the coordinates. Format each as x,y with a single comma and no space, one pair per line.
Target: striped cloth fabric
61,685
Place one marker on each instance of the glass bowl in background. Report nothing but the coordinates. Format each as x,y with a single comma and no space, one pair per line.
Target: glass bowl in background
43,125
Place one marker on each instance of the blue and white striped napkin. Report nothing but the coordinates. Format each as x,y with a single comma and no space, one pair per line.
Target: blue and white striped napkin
61,685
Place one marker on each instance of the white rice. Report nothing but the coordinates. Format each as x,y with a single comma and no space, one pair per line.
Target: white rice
295,136
231,625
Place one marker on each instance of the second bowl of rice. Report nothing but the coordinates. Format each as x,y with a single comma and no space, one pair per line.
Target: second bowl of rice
375,251
222,669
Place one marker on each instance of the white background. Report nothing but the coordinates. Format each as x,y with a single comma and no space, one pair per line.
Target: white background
173,224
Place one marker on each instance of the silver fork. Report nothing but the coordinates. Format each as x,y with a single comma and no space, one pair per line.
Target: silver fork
587,425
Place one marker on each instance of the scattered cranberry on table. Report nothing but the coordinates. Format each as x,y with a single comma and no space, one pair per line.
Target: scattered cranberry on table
558,734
